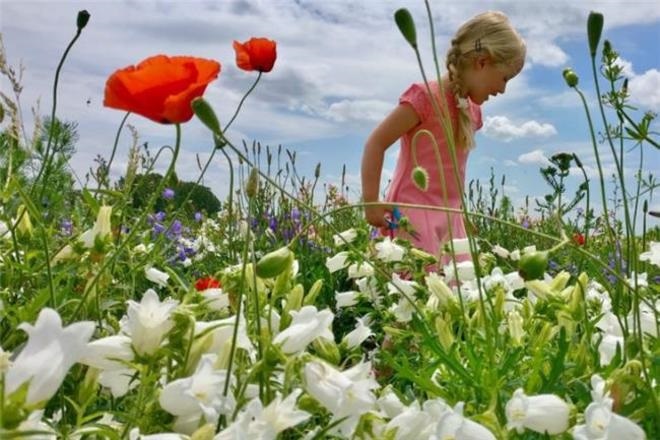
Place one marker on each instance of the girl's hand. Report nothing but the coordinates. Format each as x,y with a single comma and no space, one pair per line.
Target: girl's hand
375,216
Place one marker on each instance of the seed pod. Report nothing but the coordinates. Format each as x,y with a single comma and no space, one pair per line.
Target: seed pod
206,114
274,263
82,19
406,25
532,265
594,30
570,77
420,178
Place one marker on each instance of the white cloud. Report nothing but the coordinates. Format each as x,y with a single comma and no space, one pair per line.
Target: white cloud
546,53
645,90
501,127
536,157
358,110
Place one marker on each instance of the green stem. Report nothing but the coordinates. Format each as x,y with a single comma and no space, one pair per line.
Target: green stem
47,158
114,146
134,230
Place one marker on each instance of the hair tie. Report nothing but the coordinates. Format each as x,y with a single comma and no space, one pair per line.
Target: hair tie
462,103
477,45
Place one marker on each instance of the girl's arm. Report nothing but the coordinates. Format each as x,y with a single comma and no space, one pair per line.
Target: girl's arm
396,124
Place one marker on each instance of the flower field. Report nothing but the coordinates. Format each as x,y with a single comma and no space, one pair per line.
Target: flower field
145,308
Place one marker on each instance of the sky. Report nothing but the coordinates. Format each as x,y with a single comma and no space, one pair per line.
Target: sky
341,67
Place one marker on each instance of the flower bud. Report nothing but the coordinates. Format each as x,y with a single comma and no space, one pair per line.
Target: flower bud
420,178
310,298
274,263
327,350
445,335
515,324
532,265
82,19
24,223
206,114
206,432
570,77
406,25
252,185
594,30
2,113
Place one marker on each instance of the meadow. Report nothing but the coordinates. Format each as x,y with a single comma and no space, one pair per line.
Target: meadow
146,308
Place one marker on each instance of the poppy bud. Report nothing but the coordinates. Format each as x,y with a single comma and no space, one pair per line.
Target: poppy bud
252,183
594,30
274,263
420,178
406,25
570,77
206,114
2,113
317,170
532,265
82,20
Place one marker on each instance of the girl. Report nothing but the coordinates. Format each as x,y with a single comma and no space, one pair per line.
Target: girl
485,54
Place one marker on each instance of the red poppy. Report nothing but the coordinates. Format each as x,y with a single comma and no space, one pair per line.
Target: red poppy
578,239
206,283
256,54
161,88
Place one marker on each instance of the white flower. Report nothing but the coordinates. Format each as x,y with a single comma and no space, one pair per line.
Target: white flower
543,413
402,287
403,310
266,423
464,269
346,394
515,255
653,254
222,331
359,334
108,353
307,324
440,289
607,347
388,251
411,424
50,352
102,228
500,251
215,298
461,246
345,237
453,425
601,423
33,423
148,321
119,381
389,403
346,299
337,262
198,395
135,435
156,276
515,323
359,270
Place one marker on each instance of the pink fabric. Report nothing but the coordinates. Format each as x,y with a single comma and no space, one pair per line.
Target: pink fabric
432,226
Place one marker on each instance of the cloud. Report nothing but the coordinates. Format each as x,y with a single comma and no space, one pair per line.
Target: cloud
645,90
536,157
358,110
500,127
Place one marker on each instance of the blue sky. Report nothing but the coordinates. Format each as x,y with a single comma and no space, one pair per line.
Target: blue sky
341,66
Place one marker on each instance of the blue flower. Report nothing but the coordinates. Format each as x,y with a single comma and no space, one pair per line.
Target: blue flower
168,193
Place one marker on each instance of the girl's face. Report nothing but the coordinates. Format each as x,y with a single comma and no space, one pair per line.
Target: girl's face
484,78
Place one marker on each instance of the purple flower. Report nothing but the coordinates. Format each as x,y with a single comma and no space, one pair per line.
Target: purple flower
295,215
198,216
272,223
66,227
168,193
525,223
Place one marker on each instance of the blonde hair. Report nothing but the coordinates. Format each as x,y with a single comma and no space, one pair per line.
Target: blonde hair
490,33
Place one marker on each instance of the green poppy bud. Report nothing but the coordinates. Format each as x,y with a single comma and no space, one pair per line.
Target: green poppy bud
594,30
252,185
420,178
532,265
206,114
406,25
274,263
317,170
83,19
570,77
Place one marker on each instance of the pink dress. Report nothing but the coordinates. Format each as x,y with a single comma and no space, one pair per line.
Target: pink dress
432,226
